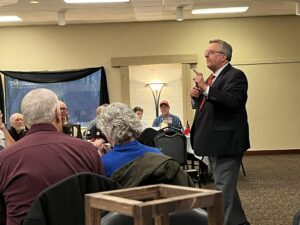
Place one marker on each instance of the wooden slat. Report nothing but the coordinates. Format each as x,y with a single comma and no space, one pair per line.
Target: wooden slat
156,201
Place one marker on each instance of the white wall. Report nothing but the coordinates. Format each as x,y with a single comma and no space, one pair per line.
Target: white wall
141,96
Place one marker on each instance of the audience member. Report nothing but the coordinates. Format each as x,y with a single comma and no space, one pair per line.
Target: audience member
166,118
139,113
17,128
121,127
6,139
43,157
66,128
92,131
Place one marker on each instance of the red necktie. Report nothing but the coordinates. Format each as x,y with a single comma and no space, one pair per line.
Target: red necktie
209,83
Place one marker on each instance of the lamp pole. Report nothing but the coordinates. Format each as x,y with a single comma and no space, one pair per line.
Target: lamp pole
156,89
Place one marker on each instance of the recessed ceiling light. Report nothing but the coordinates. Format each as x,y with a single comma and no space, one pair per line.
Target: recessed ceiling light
34,2
10,19
220,10
93,1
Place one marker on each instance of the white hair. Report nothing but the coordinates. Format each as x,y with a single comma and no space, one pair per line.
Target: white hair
118,122
38,106
12,117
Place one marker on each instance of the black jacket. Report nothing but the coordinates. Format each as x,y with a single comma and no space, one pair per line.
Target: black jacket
220,128
63,202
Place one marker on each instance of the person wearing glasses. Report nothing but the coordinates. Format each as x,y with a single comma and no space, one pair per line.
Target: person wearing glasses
66,128
166,119
220,129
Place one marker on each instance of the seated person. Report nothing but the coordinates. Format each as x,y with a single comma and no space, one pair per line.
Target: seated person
139,114
6,139
92,131
17,128
121,127
66,128
43,157
166,118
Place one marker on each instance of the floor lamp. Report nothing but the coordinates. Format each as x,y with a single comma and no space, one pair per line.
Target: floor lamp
156,89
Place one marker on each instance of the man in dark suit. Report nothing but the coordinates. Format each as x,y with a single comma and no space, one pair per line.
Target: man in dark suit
220,129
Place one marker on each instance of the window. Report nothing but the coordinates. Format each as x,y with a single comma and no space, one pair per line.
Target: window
81,93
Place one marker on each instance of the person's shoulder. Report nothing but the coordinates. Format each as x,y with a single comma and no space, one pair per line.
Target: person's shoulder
92,123
10,152
150,149
67,139
109,156
235,70
157,118
177,117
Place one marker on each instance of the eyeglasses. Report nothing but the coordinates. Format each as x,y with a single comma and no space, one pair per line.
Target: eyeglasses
211,52
63,109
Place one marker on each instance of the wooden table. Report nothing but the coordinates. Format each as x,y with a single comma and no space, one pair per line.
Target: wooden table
154,201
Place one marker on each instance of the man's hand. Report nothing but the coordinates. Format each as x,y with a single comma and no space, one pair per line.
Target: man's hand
199,81
102,147
195,92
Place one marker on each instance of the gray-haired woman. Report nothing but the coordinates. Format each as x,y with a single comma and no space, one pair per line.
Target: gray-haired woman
121,127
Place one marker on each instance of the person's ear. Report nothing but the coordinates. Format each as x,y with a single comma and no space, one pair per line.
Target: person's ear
57,115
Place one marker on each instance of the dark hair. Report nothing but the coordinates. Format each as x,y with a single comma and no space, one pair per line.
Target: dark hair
137,109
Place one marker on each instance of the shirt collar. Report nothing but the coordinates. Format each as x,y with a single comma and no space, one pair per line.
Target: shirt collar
41,127
217,73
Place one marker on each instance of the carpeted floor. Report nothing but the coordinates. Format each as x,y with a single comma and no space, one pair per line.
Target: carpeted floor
270,192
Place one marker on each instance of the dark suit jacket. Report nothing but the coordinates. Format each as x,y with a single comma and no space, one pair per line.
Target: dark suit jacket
220,128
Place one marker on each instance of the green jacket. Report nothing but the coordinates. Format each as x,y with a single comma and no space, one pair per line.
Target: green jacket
152,168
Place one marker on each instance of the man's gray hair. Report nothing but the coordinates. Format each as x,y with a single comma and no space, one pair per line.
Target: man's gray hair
38,106
118,122
226,48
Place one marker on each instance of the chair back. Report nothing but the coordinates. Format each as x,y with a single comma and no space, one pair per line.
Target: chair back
63,202
147,137
172,142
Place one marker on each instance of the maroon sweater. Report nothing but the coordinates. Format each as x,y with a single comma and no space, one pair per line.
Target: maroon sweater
37,161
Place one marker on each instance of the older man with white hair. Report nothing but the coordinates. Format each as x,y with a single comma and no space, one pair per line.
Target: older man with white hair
43,157
17,128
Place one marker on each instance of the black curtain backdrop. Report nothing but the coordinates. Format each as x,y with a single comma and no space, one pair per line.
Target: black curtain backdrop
54,77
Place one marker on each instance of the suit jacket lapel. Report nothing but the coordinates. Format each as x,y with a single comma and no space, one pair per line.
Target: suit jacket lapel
221,75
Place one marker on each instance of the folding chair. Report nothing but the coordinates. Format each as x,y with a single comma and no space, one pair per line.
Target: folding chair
172,142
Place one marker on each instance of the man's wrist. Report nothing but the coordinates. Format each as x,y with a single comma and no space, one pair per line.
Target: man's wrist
206,91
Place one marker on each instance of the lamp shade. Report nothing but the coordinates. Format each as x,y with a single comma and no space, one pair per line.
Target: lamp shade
156,86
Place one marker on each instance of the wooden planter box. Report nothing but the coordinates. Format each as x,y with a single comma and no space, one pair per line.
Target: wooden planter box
154,201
